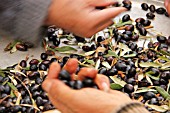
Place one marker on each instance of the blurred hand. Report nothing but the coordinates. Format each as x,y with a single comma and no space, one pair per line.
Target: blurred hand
85,100
167,5
81,16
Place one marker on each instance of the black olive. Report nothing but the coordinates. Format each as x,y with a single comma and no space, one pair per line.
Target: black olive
27,100
39,101
148,95
76,84
126,18
86,48
135,37
166,14
129,28
121,66
111,72
42,67
15,109
163,47
127,6
118,38
65,59
154,71
21,47
7,89
2,88
140,20
44,56
30,110
132,46
128,88
165,75
79,39
88,82
154,101
161,39
33,67
28,44
56,42
139,49
50,31
103,71
145,6
53,60
46,62
143,31
131,72
64,75
100,38
33,75
131,81
139,26
161,10
23,63
126,37
93,47
150,15
152,8
34,61
147,23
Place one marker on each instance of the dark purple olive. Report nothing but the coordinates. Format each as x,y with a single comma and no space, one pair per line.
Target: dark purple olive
147,23
56,42
126,18
150,15
42,67
44,56
132,46
139,26
64,75
166,14
148,95
128,88
50,53
100,38
143,31
30,110
165,75
53,60
140,20
39,101
23,63
131,81
88,82
111,72
34,61
15,109
2,88
38,80
76,84
103,71
21,47
135,37
50,31
154,101
121,66
86,48
156,44
129,28
28,44
65,59
126,37
163,47
161,10
161,39
33,75
131,72
79,39
118,38
33,67
127,6
152,8
145,6
154,71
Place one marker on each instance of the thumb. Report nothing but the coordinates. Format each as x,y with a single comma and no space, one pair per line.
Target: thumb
57,89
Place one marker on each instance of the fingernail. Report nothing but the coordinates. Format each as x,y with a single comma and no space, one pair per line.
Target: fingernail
105,87
47,85
166,3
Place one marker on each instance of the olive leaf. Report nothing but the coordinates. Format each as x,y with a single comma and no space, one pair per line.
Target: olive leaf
163,58
168,88
2,74
164,52
130,55
10,45
157,108
162,92
118,81
12,86
165,65
149,80
65,48
149,64
145,89
90,61
120,23
111,53
106,64
34,104
140,76
12,93
97,64
18,99
115,86
89,53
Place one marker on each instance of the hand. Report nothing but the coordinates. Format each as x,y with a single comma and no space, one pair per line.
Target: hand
86,100
81,16
167,5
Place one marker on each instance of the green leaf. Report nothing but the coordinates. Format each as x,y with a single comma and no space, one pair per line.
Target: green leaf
130,55
120,23
111,53
149,64
90,62
153,77
145,89
65,48
162,92
12,93
157,108
165,65
2,74
12,86
164,52
10,45
164,58
115,86
118,81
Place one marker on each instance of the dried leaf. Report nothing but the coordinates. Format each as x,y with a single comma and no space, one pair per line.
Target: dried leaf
97,64
89,53
165,65
18,99
153,77
129,56
115,86
163,92
10,46
157,108
65,48
12,86
145,89
149,80
106,64
140,76
118,81
12,94
149,64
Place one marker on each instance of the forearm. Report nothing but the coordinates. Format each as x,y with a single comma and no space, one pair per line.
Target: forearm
23,18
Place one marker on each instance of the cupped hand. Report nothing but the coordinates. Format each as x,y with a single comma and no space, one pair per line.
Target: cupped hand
85,100
81,16
167,5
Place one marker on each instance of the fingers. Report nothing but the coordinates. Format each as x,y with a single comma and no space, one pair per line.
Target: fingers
103,16
54,70
102,2
167,5
71,65
87,72
105,25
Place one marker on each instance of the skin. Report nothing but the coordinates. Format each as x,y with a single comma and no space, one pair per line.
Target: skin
167,5
86,100
81,16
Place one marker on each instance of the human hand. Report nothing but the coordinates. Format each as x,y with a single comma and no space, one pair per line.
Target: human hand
167,5
86,100
81,16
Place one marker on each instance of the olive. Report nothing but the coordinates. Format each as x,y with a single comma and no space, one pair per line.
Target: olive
88,82
118,38
2,109
16,109
33,67
33,75
53,60
129,88
150,15
129,28
34,61
21,47
126,37
28,44
35,87
38,80
139,49
30,110
152,8
163,81
100,38
27,100
46,62
42,67
93,47
50,31
132,46
168,41
154,71
23,63
131,81
79,39
111,72
166,14
65,59
7,89
135,37
126,18
161,39
139,26
147,23
145,6
44,56
76,84
103,71
1,79
161,10
127,6
140,20
56,42
2,88
64,75
148,95
50,52
143,31
154,101
39,101
131,72
121,66
165,75
19,86
156,44
86,48
126,2
150,54
163,47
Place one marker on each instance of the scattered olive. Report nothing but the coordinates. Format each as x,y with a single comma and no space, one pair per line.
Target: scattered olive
150,15
64,75
161,10
128,88
23,63
145,6
21,47
152,8
161,39
126,18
